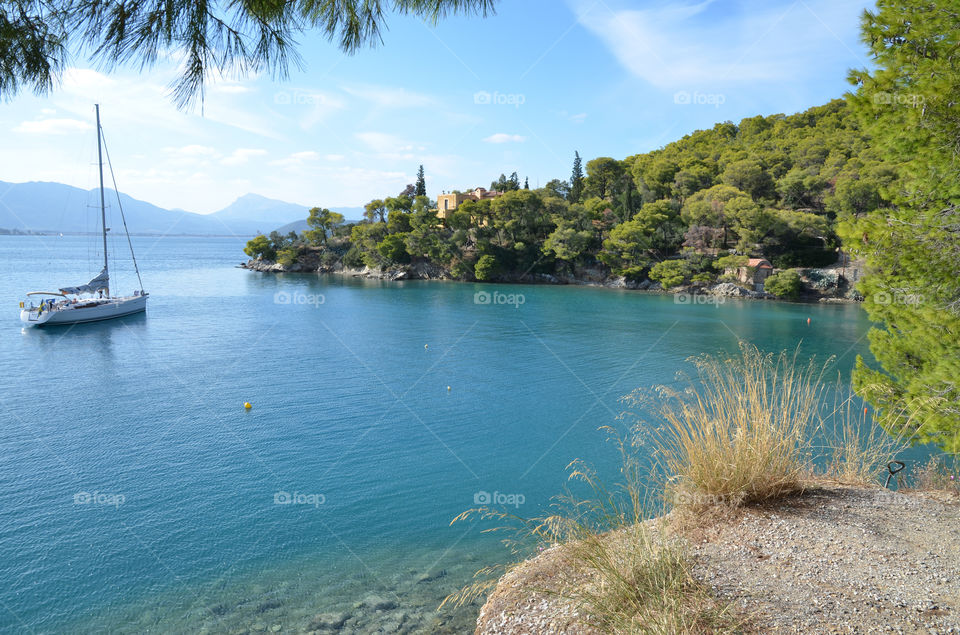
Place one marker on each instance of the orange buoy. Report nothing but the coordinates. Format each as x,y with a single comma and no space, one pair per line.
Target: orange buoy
808,320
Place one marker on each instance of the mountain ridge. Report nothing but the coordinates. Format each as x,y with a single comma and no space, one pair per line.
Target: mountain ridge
47,206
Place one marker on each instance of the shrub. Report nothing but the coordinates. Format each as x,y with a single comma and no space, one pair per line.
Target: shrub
785,284
287,256
636,274
260,247
669,273
487,268
394,248
353,258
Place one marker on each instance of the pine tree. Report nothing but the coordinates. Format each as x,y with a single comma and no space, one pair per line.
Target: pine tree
514,183
576,179
908,106
526,182
421,188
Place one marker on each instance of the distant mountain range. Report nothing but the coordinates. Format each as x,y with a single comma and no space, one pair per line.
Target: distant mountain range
39,206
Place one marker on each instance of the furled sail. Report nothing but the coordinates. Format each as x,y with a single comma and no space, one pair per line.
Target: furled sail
102,281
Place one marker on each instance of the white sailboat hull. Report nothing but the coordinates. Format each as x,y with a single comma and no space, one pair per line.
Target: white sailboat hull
90,311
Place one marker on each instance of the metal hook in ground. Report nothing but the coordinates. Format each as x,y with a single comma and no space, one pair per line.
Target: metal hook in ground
894,467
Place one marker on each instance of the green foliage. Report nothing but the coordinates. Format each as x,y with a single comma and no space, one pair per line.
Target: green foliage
366,238
322,221
260,247
287,256
669,273
375,210
393,247
732,261
566,242
420,189
908,105
784,284
487,267
576,180
603,177
208,39
353,258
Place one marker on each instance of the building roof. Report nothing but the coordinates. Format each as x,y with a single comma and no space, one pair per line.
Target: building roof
759,262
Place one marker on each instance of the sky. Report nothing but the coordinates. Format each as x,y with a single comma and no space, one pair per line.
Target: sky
469,99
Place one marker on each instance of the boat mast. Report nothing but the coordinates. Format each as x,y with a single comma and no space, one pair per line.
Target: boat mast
103,205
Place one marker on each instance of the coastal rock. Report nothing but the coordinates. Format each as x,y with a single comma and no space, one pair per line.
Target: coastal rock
729,290
378,603
327,622
269,605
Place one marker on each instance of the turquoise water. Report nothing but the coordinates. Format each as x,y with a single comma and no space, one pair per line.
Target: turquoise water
139,496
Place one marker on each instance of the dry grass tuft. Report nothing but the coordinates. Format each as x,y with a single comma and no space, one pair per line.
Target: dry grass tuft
936,477
743,433
641,581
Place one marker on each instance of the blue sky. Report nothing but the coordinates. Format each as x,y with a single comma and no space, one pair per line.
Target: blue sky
471,98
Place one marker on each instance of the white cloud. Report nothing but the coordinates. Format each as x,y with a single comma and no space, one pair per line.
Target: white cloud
502,137
702,43
53,126
241,156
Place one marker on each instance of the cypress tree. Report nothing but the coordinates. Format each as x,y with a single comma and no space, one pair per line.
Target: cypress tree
421,188
576,179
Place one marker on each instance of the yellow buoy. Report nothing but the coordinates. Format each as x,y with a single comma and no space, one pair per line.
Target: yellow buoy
247,405
448,387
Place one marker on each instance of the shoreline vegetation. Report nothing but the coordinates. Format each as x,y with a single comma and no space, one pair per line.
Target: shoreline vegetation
746,209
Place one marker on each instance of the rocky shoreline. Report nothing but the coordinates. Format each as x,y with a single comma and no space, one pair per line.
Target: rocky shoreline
833,560
584,277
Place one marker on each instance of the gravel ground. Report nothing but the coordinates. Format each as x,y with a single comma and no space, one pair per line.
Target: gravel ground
834,560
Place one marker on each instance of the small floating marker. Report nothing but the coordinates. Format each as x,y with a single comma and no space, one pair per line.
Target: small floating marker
247,405
448,387
864,410
808,320
426,346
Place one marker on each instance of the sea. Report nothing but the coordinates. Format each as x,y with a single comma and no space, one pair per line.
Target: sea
138,494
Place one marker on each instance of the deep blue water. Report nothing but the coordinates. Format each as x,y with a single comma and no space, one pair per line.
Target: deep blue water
351,415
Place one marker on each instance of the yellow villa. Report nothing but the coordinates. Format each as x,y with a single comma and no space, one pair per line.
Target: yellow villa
446,203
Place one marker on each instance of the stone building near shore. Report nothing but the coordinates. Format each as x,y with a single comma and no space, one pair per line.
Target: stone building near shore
754,273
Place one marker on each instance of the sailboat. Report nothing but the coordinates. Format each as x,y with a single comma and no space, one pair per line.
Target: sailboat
90,302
